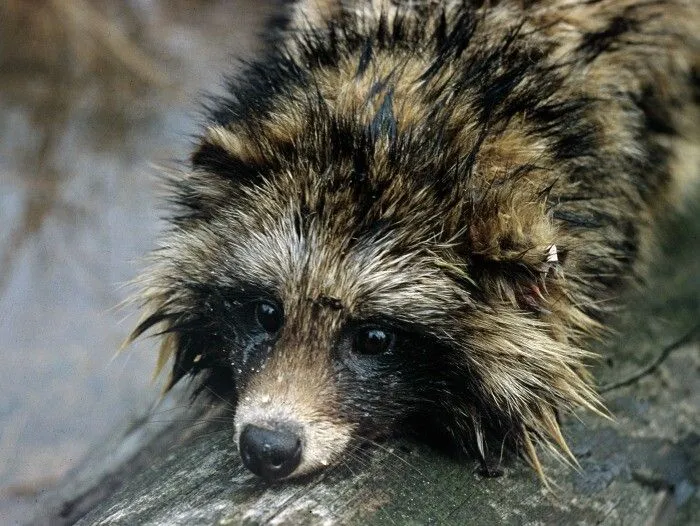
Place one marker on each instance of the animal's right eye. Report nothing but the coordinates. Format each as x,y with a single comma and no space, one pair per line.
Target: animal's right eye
269,316
373,341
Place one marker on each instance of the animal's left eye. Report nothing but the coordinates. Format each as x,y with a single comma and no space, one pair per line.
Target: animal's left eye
373,341
269,316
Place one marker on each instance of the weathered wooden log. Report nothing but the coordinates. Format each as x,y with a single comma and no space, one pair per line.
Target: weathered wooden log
635,471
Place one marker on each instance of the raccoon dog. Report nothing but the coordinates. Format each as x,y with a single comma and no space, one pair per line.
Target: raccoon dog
422,213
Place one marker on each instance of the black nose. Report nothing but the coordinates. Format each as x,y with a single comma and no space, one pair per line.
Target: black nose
270,454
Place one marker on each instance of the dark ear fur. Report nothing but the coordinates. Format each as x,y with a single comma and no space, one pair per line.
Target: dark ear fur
510,244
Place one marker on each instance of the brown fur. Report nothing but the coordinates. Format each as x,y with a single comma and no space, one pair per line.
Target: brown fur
497,215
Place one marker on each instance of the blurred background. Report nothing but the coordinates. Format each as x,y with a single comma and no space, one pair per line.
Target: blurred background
93,94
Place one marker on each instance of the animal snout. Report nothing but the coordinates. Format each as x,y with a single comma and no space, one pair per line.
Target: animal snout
270,453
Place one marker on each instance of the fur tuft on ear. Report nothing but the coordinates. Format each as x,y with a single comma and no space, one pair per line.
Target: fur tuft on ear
511,244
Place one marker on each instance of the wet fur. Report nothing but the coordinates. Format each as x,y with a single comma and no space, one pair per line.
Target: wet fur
419,168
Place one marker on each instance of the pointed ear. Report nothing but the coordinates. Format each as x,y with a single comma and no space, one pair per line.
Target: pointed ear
511,244
224,162
230,154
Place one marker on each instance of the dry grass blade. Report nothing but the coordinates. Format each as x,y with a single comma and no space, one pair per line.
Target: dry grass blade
687,338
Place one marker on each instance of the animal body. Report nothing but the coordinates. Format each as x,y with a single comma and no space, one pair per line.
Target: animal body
424,212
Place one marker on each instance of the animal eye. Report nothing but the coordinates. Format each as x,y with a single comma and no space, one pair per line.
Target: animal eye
269,316
373,340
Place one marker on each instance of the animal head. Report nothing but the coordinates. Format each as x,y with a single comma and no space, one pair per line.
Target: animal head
358,243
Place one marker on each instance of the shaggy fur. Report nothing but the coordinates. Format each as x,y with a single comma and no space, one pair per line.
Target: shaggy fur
478,178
